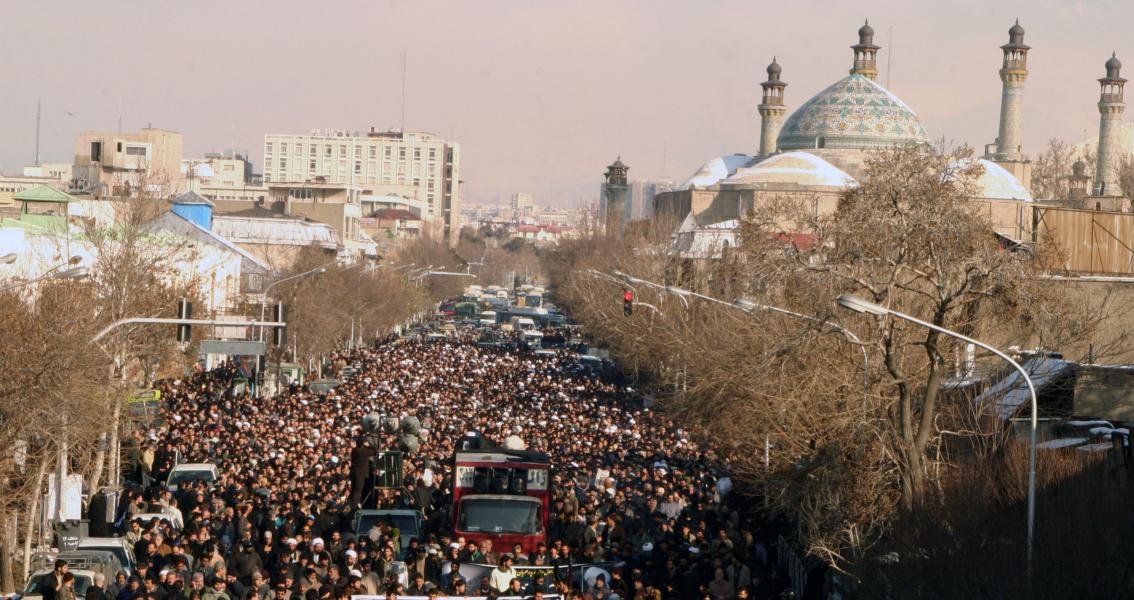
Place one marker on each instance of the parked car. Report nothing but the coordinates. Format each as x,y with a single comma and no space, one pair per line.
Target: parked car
323,386
95,561
116,545
191,472
84,579
408,523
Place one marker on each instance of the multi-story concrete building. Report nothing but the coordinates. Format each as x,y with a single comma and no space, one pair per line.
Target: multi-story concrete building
640,204
522,206
371,160
217,171
119,164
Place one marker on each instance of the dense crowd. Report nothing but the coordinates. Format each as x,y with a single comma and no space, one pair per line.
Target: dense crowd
630,489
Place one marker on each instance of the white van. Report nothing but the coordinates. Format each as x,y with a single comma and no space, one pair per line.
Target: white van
522,324
533,338
488,317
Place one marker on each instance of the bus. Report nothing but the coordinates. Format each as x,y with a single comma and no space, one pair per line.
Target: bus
501,495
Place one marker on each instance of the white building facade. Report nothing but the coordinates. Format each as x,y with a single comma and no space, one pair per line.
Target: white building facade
372,160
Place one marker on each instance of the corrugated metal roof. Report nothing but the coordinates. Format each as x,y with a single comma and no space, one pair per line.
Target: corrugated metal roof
42,193
287,232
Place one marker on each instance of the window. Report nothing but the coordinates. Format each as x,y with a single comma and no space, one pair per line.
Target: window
388,151
373,152
358,151
327,151
416,181
402,153
283,165
342,151
401,168
230,168
120,146
314,151
371,167
135,150
432,154
283,147
358,166
311,166
417,153
299,148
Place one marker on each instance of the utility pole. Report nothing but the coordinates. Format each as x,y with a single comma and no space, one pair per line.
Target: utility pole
37,118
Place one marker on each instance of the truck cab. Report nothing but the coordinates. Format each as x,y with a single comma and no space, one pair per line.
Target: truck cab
501,495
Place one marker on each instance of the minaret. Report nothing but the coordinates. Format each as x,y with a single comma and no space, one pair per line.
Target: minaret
614,194
1111,108
865,53
1013,73
771,109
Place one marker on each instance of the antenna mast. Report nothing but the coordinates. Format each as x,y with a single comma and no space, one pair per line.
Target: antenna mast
403,91
37,115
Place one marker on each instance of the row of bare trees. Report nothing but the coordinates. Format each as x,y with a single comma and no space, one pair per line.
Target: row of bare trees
841,438
357,301
62,396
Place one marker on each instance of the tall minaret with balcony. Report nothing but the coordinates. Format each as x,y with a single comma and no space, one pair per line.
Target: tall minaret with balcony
771,109
1013,73
865,53
1111,107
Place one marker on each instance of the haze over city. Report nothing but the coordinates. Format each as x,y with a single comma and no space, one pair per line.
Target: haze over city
539,95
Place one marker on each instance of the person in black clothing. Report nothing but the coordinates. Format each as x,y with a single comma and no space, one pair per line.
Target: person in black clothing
52,582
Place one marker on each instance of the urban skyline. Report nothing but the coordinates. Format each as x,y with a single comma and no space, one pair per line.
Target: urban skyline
690,82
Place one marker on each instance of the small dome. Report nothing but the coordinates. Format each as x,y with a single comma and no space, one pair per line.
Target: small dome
1113,65
854,112
796,168
715,170
1016,30
866,30
774,69
996,183
1079,169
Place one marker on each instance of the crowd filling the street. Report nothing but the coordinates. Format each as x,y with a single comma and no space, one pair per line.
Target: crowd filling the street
639,509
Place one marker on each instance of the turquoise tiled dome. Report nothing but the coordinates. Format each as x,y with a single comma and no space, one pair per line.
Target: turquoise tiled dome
854,113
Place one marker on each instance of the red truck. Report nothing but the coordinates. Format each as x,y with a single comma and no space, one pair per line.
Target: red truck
501,495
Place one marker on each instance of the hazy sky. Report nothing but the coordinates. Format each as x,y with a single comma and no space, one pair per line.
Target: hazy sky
540,95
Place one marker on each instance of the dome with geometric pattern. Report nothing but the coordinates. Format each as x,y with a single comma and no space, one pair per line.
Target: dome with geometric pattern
853,113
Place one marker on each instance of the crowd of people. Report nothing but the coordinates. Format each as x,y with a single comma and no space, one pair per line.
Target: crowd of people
630,489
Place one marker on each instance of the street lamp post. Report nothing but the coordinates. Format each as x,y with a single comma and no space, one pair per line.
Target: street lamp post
264,300
860,305
748,306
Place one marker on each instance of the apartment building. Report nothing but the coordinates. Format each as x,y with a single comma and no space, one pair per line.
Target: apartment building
374,160
118,164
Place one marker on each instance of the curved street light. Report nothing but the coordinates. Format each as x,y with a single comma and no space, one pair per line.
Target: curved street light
749,306
264,300
860,305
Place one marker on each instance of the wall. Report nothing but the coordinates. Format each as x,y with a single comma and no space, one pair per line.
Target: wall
1086,241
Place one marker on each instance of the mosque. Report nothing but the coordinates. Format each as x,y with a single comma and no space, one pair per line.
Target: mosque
821,149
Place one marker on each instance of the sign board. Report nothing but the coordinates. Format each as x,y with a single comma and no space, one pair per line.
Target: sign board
233,347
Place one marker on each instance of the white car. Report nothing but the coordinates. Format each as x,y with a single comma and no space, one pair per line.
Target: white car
191,472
